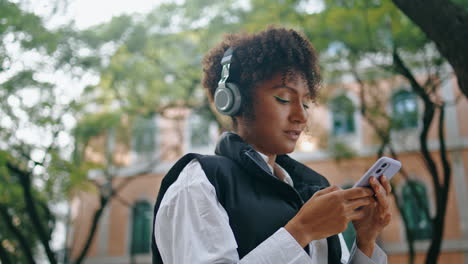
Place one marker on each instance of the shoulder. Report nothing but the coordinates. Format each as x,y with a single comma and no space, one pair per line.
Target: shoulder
191,182
201,177
216,161
218,168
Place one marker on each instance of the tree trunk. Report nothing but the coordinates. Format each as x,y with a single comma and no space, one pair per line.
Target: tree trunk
92,231
434,249
441,189
105,198
4,258
409,235
26,248
384,135
43,235
447,25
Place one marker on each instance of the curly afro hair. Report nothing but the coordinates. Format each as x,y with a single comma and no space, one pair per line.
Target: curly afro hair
258,57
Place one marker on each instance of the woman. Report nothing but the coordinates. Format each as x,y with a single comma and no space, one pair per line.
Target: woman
251,203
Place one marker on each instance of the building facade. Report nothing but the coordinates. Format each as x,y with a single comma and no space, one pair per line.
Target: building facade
339,143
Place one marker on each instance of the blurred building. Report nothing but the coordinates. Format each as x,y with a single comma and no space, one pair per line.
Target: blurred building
340,144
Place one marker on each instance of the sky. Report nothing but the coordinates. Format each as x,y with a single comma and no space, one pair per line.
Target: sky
87,13
91,12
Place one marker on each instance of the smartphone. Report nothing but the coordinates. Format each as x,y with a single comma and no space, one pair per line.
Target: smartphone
383,166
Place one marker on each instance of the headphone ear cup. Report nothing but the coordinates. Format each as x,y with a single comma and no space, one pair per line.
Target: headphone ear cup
237,102
228,99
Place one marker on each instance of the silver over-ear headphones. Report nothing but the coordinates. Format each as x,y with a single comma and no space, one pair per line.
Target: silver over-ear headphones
227,96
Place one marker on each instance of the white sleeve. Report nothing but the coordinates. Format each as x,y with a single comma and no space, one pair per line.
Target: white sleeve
192,227
378,256
344,249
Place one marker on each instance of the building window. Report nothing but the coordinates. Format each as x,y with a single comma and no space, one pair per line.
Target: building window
404,110
141,228
343,115
200,130
416,210
144,135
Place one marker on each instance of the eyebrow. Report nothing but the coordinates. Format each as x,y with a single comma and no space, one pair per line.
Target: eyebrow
308,94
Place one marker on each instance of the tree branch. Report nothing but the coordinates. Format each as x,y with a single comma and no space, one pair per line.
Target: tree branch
384,136
4,258
441,191
443,150
94,226
408,233
428,116
401,68
7,219
104,200
446,24
25,182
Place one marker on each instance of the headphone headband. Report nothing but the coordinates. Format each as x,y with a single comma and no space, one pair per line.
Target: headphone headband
226,62
227,56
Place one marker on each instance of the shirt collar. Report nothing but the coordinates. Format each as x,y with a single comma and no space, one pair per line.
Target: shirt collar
287,178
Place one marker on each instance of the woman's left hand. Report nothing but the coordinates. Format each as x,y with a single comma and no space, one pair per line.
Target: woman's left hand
377,216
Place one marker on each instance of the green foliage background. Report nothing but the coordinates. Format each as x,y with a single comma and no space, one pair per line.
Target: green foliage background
149,63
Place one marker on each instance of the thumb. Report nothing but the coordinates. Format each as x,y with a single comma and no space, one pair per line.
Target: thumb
327,190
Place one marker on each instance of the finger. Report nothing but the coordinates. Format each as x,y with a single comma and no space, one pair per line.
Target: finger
356,203
357,192
357,215
386,184
375,185
327,190
380,193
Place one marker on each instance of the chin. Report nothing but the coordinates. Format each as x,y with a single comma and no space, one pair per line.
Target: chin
286,150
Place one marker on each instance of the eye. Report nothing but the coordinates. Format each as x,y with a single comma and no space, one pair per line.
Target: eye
281,100
306,106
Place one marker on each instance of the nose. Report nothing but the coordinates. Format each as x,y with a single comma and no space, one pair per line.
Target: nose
298,113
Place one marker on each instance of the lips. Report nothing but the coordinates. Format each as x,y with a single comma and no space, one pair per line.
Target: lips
293,134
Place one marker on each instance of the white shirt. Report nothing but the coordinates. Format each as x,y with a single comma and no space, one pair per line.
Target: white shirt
193,227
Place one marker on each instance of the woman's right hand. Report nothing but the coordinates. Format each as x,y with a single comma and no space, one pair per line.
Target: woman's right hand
328,213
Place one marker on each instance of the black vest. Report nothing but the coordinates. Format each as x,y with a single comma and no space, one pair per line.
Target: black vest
257,203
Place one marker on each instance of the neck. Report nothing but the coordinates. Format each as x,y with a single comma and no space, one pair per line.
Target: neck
271,158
